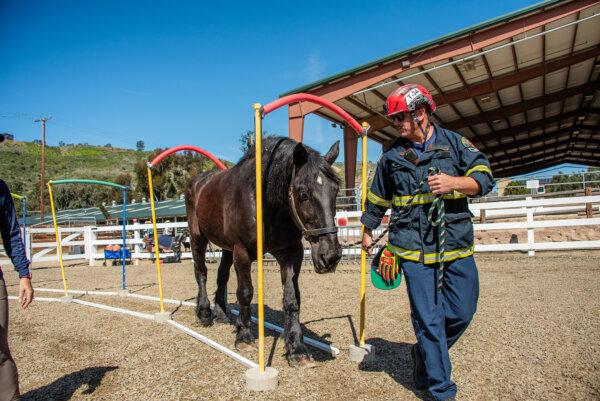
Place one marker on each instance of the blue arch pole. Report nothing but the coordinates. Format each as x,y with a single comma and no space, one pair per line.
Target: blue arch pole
123,250
124,188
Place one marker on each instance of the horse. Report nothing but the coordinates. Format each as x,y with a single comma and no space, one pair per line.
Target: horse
299,194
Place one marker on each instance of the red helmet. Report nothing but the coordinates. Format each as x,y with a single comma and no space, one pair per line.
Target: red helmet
408,98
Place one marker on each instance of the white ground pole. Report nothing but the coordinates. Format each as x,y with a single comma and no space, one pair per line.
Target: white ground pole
213,344
310,341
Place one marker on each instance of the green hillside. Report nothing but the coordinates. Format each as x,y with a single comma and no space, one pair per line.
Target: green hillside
20,164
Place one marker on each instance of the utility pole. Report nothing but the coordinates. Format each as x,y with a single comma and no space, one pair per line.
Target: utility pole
42,168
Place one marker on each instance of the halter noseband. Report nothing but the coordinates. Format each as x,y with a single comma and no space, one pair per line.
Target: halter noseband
305,233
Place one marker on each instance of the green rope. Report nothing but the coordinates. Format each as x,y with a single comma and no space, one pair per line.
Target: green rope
438,206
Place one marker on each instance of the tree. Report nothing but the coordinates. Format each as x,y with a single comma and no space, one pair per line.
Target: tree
108,145
140,145
516,188
246,141
61,143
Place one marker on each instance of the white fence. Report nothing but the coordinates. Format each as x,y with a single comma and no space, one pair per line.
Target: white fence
84,242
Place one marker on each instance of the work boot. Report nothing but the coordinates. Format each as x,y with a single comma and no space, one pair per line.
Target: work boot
419,374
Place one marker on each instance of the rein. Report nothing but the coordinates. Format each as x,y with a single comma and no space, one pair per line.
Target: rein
305,232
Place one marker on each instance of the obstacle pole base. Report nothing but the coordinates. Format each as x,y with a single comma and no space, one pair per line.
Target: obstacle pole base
359,354
66,299
123,292
256,381
162,317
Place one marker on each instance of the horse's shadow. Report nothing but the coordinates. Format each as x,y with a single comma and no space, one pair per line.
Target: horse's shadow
62,389
393,359
276,317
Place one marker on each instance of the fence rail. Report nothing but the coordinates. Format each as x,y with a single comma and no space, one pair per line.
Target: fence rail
86,242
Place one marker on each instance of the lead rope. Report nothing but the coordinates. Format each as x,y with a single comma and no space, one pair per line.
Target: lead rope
438,206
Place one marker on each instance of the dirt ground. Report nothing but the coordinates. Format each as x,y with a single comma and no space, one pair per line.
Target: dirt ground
536,336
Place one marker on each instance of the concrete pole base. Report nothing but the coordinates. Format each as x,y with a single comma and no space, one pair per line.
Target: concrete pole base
359,354
66,299
256,381
162,317
123,292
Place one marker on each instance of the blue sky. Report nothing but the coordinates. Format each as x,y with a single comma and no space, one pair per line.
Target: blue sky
188,72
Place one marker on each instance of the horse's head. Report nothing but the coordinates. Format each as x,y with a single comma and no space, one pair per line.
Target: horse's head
313,190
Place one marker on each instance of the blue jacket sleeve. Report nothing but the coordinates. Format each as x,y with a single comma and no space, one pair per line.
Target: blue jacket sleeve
11,233
474,164
379,197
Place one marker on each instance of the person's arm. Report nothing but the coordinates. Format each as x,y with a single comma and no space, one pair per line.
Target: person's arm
379,200
13,245
475,175
442,184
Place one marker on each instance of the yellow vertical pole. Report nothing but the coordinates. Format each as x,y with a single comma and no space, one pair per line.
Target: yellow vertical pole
363,254
259,235
58,244
156,250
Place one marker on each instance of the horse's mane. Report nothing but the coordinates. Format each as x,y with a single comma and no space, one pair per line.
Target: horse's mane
277,156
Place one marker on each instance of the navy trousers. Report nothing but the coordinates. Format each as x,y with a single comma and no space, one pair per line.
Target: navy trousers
439,319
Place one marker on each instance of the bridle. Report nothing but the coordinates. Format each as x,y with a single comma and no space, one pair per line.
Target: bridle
305,232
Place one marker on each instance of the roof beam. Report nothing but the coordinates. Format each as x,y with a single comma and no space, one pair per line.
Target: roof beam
515,78
547,136
517,129
467,44
516,161
512,171
516,108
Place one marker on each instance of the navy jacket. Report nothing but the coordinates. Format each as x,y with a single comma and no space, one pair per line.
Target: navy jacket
11,234
396,178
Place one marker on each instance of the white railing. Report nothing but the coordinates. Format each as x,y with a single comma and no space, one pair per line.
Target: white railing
83,242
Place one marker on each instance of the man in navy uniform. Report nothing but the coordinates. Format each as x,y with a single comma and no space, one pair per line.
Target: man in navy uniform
442,293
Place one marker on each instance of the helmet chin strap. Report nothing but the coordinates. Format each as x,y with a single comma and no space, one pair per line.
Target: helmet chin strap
423,130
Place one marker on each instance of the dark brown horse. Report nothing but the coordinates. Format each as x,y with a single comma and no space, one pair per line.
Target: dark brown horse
299,191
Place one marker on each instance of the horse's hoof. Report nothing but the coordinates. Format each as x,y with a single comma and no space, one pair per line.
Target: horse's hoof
244,346
302,361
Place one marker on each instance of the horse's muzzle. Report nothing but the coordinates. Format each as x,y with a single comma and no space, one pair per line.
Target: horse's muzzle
326,253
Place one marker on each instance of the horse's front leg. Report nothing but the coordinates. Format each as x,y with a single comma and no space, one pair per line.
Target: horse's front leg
243,263
291,262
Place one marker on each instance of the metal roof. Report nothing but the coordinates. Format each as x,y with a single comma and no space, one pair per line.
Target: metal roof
141,211
523,87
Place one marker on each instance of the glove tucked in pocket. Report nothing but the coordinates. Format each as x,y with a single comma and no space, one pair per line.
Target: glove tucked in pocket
385,270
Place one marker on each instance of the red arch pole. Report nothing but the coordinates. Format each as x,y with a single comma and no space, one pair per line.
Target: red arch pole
196,149
151,164
361,130
306,97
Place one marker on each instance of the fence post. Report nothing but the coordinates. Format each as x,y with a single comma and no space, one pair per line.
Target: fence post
136,246
481,216
93,236
589,212
530,231
87,244
28,247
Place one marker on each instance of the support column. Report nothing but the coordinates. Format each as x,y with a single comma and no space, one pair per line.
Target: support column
296,122
350,143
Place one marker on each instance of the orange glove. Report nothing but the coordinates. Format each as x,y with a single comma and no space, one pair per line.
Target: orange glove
388,267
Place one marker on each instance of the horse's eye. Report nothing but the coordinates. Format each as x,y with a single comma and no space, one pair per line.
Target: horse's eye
303,196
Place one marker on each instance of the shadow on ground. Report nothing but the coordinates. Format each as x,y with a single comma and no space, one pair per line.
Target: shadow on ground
63,388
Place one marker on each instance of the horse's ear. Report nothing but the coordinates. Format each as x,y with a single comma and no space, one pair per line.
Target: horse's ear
300,155
332,153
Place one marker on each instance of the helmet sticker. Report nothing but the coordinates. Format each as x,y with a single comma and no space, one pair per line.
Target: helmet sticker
412,95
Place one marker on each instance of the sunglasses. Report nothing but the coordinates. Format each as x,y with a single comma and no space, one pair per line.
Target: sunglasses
398,117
